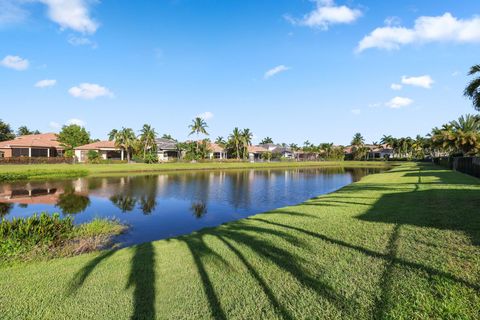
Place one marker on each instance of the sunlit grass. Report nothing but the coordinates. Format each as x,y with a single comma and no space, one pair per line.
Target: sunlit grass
404,244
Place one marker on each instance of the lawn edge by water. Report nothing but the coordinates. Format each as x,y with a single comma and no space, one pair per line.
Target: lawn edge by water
52,171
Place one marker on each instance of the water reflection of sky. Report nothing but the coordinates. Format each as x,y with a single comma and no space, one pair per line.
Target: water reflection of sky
171,204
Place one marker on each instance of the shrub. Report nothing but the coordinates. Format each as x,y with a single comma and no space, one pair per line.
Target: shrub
36,160
43,228
12,176
93,156
151,158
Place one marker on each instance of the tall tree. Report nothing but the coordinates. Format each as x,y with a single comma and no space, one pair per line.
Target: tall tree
472,90
147,138
167,136
236,140
358,147
112,134
266,140
126,140
6,132
198,126
72,136
246,140
24,131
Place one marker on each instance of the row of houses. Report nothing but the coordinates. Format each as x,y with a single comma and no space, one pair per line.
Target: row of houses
47,145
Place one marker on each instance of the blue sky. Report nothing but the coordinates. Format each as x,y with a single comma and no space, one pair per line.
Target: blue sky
290,69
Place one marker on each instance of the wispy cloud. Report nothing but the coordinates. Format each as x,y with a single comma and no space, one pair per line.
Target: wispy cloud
11,12
54,125
396,86
356,111
90,91
75,121
81,41
422,81
325,14
399,102
276,70
206,115
15,62
445,28
45,83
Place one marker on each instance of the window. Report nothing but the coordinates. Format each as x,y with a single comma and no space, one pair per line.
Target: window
20,152
36,152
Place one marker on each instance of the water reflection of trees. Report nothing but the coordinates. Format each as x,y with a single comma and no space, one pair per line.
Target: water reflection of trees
5,209
72,203
199,209
140,190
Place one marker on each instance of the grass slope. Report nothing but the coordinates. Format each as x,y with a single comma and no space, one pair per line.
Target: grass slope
404,244
43,171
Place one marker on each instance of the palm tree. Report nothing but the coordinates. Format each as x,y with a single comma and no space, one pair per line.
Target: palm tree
198,126
358,146
112,134
472,91
125,139
236,139
220,141
266,140
147,138
247,136
461,136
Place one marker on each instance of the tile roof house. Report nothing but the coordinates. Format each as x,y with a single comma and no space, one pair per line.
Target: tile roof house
32,145
217,151
106,149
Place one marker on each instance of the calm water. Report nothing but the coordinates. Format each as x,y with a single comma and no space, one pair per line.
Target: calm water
170,204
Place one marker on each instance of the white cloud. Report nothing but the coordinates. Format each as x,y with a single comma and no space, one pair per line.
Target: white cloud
15,62
399,102
278,69
325,14
54,125
396,86
206,115
71,14
89,91
45,83
81,41
375,105
78,122
445,28
356,111
455,73
421,81
11,12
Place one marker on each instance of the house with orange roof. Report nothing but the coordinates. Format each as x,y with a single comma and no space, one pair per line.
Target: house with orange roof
255,152
32,145
106,149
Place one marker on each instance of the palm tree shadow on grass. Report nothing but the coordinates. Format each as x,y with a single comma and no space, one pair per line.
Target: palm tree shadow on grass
142,278
247,235
80,277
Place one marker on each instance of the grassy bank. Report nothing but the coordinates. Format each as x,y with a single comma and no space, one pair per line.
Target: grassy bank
45,236
404,244
45,171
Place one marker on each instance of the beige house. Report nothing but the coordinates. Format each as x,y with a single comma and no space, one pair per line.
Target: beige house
106,149
32,145
217,151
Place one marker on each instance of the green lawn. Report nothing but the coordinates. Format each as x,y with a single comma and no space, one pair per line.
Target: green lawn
41,171
404,244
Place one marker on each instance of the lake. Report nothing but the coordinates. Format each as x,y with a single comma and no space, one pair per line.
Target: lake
164,205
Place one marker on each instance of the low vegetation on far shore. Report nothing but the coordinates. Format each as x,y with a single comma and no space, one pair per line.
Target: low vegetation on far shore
44,236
